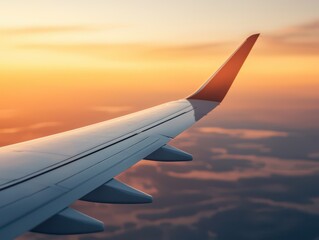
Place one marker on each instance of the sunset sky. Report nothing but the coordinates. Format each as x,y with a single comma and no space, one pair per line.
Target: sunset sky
70,57
66,64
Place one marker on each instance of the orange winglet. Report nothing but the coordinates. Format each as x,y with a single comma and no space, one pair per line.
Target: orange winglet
217,86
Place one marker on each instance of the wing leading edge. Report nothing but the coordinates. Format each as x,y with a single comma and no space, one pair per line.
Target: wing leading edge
39,179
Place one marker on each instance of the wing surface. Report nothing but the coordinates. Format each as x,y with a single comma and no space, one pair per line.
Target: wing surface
40,179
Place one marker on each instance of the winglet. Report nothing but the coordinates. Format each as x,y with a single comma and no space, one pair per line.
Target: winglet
217,86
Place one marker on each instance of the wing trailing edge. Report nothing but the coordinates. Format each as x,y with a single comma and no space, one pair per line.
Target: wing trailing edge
217,86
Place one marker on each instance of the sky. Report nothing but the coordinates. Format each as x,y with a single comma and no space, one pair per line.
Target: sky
67,64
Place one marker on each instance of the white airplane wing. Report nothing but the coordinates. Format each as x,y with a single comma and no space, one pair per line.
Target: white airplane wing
40,179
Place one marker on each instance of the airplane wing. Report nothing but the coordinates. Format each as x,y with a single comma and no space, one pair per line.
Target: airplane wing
41,178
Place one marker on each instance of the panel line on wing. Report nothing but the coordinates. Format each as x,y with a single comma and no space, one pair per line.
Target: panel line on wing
75,158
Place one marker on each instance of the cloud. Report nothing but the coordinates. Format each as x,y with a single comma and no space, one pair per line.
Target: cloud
37,30
205,48
312,208
307,32
27,129
193,207
258,221
219,150
111,109
243,133
44,125
252,146
134,51
9,130
314,155
299,39
102,50
233,167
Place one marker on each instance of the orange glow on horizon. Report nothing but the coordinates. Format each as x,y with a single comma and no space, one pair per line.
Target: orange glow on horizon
59,71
